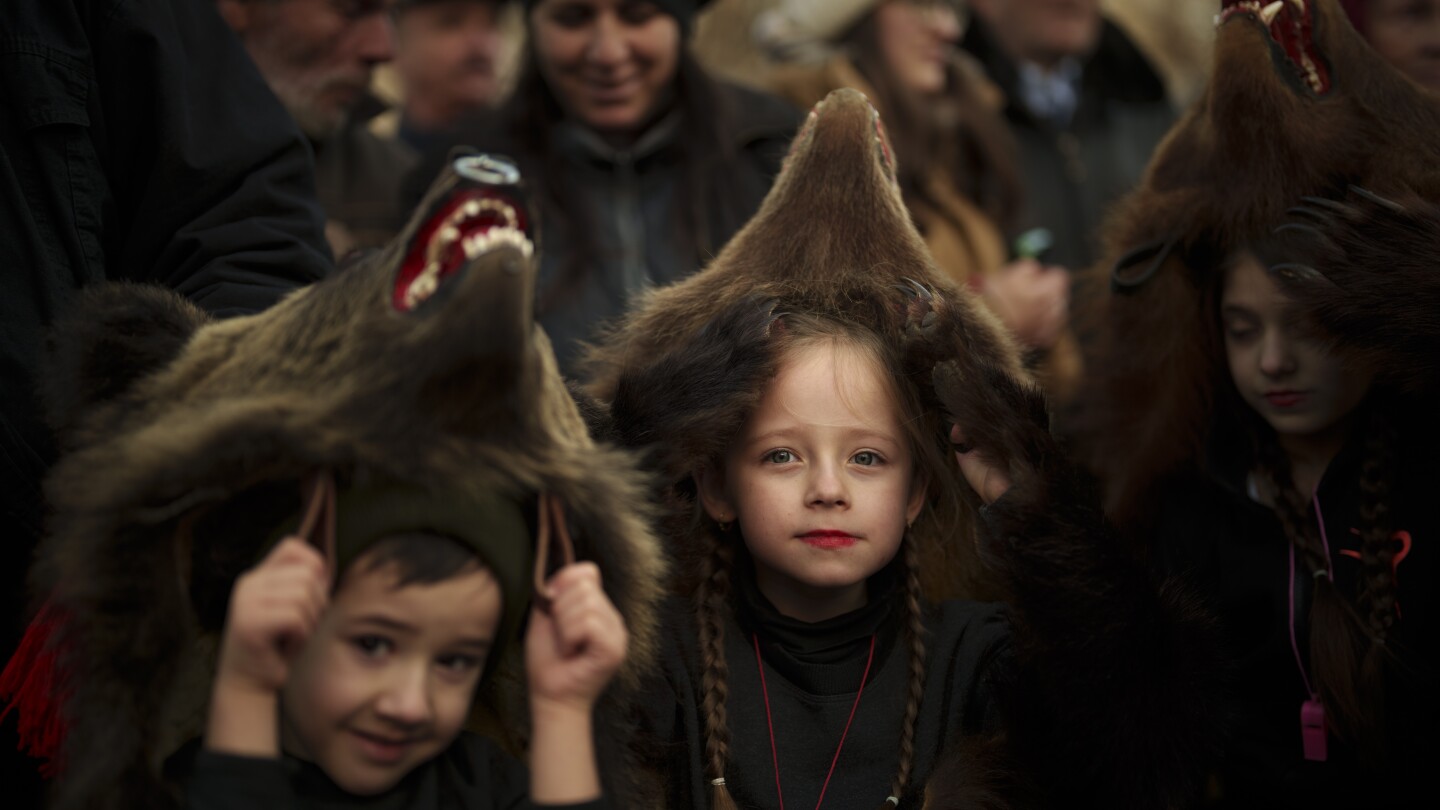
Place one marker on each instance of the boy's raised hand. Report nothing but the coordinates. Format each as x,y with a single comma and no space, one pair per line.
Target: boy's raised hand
574,648
274,608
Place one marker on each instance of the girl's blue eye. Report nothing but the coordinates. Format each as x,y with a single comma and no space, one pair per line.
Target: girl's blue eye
866,458
373,646
779,456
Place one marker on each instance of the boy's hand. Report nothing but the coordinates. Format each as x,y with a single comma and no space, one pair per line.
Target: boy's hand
574,649
274,608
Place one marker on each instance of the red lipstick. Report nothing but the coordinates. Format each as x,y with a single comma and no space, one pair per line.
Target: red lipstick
829,538
1284,399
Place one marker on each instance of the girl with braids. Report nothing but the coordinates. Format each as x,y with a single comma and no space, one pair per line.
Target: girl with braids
798,401
1307,526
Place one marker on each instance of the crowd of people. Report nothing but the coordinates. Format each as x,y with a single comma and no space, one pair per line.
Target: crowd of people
1041,442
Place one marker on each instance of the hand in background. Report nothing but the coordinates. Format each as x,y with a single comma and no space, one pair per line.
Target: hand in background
1031,299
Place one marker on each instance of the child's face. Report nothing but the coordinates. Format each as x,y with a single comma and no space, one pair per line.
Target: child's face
386,680
1287,377
821,480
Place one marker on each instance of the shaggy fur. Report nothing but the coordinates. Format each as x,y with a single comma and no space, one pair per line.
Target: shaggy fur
685,370
1249,149
833,238
188,440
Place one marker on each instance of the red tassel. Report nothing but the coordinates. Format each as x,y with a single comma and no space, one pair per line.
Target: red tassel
30,687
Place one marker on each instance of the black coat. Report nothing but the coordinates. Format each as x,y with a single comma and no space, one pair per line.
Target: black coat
137,141
1235,552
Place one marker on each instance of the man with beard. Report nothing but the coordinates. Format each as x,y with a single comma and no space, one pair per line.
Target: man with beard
448,56
318,57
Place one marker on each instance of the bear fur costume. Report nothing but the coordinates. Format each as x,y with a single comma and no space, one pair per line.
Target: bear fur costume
1098,645
1301,106
187,439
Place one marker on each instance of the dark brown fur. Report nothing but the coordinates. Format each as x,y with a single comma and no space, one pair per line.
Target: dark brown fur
1248,150
174,421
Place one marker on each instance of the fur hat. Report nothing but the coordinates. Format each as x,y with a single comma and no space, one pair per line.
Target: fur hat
1298,106
187,439
807,30
832,240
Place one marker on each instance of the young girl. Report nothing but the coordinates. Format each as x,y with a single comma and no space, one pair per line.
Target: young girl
797,398
1305,522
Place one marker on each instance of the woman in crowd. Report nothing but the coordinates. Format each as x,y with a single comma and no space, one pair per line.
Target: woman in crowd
956,164
643,164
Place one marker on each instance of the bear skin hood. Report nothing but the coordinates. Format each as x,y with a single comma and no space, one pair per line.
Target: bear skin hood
1298,104
833,239
187,441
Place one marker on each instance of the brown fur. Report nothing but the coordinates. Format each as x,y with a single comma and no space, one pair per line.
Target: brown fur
832,239
1249,149
833,243
173,420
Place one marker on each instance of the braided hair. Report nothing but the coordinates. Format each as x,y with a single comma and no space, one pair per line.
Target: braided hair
1347,638
942,519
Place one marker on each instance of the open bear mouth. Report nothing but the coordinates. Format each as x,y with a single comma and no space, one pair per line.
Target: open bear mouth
474,220
1291,26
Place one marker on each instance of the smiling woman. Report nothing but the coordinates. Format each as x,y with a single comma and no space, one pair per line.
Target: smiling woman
643,164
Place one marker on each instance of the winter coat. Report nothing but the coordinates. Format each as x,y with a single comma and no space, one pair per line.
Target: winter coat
1233,550
472,773
1073,174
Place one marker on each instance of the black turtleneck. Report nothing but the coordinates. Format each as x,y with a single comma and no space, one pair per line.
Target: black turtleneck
812,673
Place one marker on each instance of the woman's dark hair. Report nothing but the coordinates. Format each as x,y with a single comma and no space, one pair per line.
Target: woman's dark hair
958,134
707,193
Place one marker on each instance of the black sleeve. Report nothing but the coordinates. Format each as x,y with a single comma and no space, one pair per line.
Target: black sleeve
227,782
213,185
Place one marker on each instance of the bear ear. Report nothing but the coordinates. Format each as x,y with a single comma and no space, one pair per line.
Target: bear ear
112,336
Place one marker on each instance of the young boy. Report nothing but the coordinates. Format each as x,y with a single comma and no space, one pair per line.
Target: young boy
358,697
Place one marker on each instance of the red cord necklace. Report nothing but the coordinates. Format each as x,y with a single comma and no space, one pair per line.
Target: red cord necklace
774,754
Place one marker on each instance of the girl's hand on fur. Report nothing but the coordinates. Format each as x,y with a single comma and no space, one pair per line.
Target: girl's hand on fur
574,649
1031,299
274,608
989,480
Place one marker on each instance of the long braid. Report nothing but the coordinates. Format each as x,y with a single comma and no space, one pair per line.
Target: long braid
1337,635
915,634
1378,590
711,596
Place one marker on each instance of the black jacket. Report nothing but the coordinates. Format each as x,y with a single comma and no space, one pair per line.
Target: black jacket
1235,551
1073,174
137,141
472,774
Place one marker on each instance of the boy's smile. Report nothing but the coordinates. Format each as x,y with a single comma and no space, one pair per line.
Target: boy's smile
386,681
820,481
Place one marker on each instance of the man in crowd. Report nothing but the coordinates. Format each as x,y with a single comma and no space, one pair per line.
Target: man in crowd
319,56
448,58
1085,105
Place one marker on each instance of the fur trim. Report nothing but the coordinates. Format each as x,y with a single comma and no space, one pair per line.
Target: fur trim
167,498
1249,149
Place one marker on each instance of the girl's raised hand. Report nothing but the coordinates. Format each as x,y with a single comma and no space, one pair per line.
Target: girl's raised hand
274,608
574,648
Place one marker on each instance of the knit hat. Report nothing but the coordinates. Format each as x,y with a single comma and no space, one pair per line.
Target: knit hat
806,30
